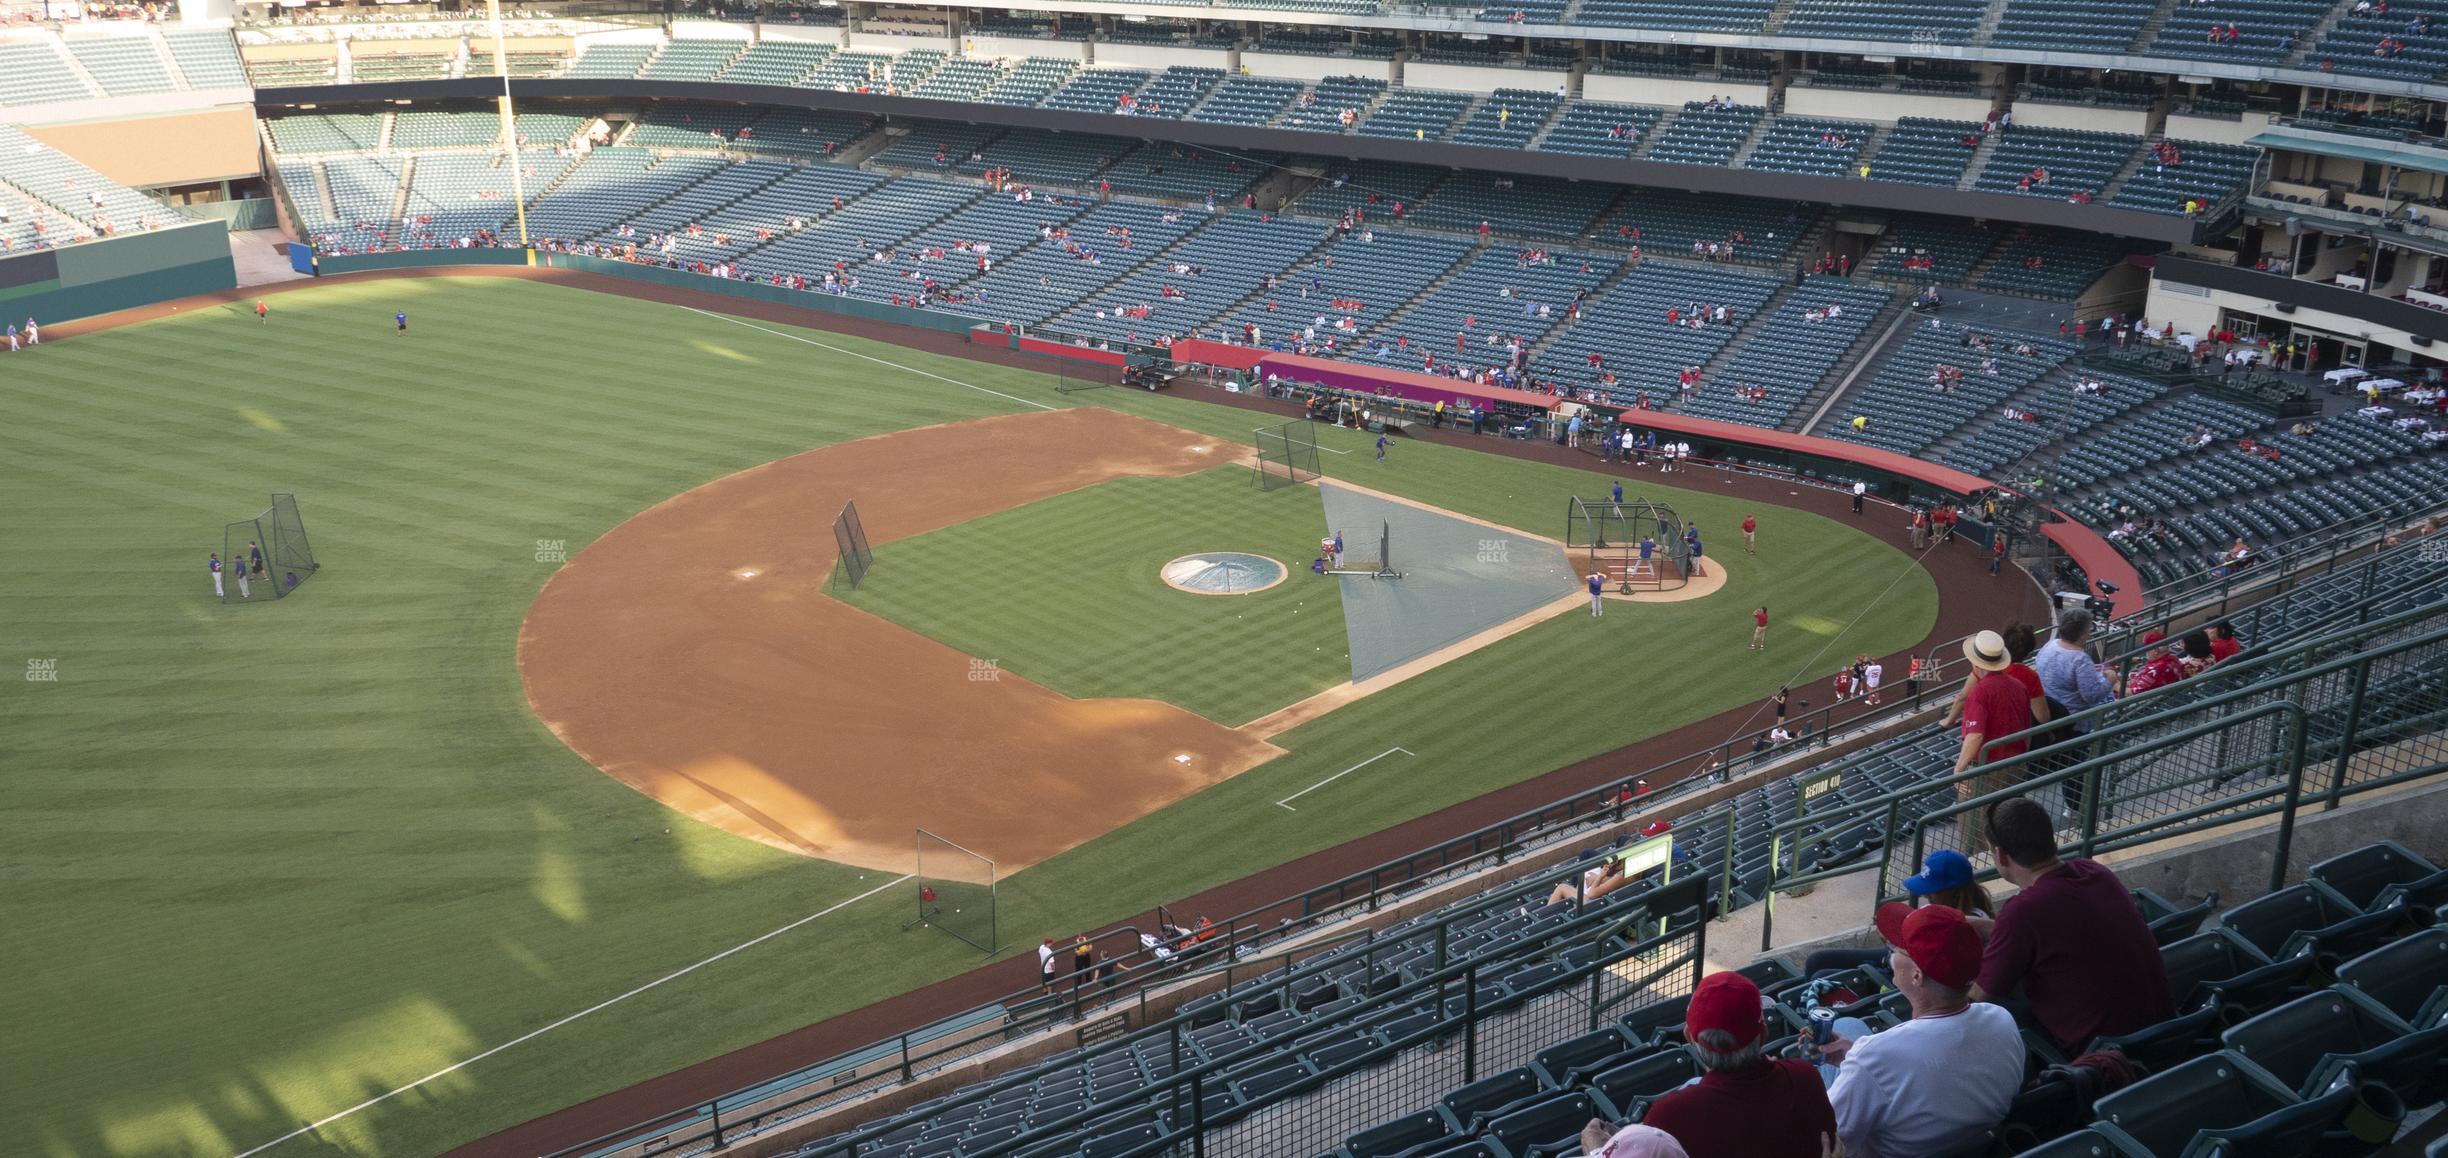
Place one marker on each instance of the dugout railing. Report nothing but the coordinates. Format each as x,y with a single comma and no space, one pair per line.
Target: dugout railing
923,1050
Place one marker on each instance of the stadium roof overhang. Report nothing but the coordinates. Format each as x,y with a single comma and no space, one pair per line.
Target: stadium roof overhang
1464,20
2372,149
1707,179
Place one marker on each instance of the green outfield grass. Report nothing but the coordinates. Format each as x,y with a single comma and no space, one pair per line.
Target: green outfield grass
1032,578
264,863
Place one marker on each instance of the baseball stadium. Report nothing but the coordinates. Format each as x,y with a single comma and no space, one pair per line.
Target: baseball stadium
675,577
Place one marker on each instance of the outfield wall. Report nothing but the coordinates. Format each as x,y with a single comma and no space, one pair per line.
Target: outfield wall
655,274
117,273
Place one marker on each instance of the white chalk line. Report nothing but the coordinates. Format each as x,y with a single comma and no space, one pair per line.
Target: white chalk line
1286,802
867,357
531,1035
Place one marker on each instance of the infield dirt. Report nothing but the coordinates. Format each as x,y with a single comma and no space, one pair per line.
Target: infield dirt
693,654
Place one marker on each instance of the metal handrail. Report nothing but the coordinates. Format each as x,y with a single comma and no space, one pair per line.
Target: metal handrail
1364,891
2294,553
1890,805
1611,921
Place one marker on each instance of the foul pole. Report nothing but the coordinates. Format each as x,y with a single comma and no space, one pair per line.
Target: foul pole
509,121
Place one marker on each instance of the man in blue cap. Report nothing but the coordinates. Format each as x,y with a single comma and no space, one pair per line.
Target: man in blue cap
1945,879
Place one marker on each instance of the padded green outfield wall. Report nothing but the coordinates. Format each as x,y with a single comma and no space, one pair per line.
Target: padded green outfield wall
416,259
758,291
117,273
654,274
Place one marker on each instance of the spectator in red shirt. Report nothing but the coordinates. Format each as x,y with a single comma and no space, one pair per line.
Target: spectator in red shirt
1745,1105
2171,664
1996,705
2071,940
2223,641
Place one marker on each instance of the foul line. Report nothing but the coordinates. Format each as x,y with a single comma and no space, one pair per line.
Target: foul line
1286,802
867,357
530,1035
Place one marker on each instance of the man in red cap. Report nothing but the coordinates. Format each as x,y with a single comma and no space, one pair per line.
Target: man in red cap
1746,1105
1943,1078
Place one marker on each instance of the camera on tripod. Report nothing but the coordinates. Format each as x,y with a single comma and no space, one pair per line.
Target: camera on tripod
2101,606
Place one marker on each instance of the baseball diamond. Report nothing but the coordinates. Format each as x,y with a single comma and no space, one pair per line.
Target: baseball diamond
945,582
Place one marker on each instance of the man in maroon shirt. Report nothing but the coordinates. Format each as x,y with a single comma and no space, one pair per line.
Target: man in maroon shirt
2071,940
1997,704
1745,1106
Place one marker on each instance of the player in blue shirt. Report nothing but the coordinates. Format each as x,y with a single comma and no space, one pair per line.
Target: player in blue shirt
1691,542
401,318
1597,589
1381,445
213,564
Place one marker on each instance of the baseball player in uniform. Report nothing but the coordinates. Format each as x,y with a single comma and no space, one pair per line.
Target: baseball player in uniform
1872,673
213,564
1597,590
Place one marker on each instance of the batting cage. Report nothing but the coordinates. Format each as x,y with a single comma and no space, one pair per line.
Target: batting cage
956,892
266,557
1287,454
1357,558
852,555
1637,544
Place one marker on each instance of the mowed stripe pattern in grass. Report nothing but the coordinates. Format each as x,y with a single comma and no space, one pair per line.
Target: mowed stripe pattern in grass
1067,592
266,860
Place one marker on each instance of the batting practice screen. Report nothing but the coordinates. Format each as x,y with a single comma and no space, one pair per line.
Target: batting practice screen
1287,454
956,892
1637,544
266,557
852,554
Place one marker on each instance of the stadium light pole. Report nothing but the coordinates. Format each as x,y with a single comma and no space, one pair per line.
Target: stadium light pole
509,122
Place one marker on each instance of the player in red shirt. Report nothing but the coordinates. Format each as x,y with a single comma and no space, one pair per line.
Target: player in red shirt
1759,630
1750,529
